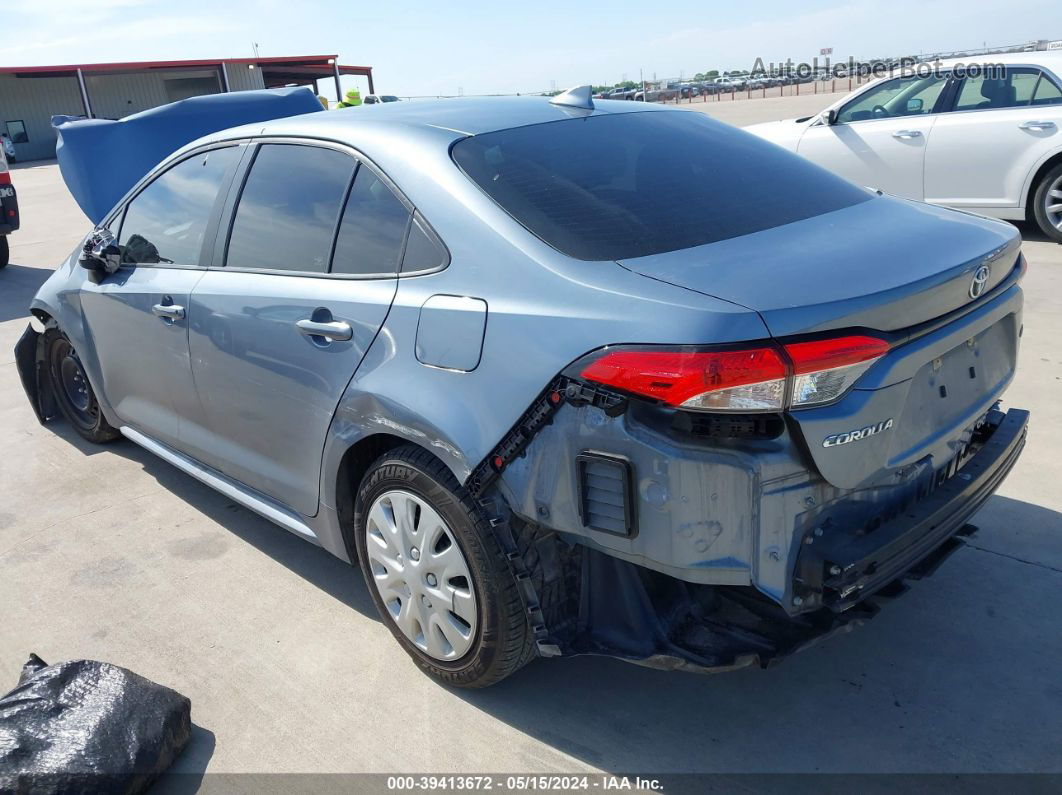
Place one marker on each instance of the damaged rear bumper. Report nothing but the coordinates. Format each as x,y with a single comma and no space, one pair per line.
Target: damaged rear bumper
837,570
596,603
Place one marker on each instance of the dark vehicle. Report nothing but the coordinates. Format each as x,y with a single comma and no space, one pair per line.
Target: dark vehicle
8,209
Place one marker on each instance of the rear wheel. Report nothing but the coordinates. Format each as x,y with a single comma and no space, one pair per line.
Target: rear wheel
436,572
5,252
1047,204
72,390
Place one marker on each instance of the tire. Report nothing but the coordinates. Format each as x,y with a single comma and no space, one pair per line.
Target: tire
1047,204
5,252
410,588
72,390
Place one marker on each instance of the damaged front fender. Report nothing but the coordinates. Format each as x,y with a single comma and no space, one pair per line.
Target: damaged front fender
31,364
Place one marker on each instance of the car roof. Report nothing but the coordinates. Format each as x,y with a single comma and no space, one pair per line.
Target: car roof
459,116
1049,59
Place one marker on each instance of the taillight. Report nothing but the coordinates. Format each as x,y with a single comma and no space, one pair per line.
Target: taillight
744,380
823,370
765,378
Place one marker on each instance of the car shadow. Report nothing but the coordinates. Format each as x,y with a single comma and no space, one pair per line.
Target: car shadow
18,285
956,675
895,695
1031,233
335,577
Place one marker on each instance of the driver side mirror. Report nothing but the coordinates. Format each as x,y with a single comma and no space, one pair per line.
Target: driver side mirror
830,117
915,105
100,252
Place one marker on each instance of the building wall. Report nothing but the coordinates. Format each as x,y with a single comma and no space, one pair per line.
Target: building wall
34,100
117,96
243,79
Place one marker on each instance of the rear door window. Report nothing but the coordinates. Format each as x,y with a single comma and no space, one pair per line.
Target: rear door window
372,230
624,185
287,214
1047,93
166,221
996,91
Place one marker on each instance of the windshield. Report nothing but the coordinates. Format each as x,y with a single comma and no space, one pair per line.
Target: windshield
625,185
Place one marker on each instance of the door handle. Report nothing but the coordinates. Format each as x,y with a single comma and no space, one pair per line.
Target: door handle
168,311
907,134
334,330
1037,125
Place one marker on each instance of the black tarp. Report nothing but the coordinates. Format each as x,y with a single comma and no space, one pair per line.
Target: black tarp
86,726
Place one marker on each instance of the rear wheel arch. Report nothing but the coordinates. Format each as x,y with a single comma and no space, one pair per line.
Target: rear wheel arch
1034,183
353,466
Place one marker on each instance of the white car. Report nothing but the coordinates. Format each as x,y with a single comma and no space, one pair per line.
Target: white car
990,144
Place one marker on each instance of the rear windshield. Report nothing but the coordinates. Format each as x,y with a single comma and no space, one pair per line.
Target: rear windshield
627,185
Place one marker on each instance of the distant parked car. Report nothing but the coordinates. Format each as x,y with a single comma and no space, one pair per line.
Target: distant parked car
377,99
732,83
995,147
8,207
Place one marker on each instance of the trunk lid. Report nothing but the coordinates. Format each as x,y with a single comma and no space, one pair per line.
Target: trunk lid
885,265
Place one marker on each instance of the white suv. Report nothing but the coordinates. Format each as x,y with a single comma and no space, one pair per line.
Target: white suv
990,143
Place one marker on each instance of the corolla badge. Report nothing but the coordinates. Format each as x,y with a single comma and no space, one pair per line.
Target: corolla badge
980,281
859,433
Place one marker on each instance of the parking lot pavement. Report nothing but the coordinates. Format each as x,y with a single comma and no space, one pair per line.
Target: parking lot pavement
753,111
109,553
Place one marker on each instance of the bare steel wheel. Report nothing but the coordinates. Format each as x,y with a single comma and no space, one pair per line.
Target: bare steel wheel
436,572
1047,204
421,575
72,390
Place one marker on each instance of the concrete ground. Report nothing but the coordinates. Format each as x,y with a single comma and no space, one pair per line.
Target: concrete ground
742,112
109,553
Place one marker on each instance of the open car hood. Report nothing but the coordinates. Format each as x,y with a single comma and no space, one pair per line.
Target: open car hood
101,159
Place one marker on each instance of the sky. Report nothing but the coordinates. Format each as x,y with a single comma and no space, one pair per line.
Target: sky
436,48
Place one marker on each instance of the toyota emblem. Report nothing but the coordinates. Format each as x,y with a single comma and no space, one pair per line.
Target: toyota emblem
980,281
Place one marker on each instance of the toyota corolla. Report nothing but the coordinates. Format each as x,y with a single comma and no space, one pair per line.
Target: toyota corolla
559,376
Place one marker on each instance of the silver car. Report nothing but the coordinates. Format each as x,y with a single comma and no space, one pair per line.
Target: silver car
559,378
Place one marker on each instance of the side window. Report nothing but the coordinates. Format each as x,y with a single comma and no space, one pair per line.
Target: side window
990,92
1047,93
286,218
899,97
166,221
423,252
373,228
